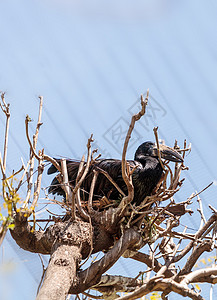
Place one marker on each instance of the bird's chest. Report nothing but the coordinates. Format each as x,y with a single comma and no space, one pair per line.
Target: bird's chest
146,177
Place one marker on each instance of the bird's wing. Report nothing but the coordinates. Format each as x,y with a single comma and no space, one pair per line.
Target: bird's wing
103,186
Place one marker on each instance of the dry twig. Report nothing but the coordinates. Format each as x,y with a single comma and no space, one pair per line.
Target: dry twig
126,175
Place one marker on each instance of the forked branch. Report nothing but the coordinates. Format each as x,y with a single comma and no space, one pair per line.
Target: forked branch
127,177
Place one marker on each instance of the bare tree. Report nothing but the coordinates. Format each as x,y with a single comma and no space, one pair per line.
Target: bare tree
84,230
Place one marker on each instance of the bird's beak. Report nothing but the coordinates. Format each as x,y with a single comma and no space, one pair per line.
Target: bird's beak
168,153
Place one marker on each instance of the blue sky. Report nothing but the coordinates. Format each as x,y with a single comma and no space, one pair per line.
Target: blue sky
91,60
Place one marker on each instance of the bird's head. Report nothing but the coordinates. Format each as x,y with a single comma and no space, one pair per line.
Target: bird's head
150,149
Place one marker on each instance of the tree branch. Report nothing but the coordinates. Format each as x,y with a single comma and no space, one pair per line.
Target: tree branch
92,275
198,234
66,188
157,284
196,253
126,176
5,109
145,258
61,272
202,275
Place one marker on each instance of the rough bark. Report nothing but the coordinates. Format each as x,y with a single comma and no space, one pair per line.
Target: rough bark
68,242
61,273
42,241
92,275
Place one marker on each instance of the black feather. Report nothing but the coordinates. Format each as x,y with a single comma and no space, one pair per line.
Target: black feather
145,177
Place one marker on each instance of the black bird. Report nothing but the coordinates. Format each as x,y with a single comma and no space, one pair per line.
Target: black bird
145,177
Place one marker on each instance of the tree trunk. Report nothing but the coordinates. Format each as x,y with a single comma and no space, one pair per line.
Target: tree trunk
61,273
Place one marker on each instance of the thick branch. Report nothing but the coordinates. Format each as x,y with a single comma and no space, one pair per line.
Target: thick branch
198,235
115,283
61,272
154,284
196,253
37,241
92,275
145,258
203,275
42,241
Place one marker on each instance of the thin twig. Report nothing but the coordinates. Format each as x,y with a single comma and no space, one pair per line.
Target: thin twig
43,273
200,210
16,173
27,120
77,186
92,296
82,212
67,188
81,169
38,183
39,123
5,109
111,180
5,181
33,149
89,205
24,173
195,195
80,174
198,235
158,149
128,179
